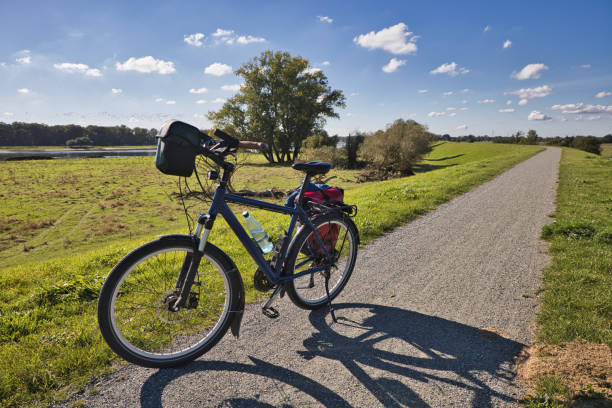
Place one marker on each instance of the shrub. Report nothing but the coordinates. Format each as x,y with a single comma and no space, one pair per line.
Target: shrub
571,230
588,144
329,154
397,148
351,149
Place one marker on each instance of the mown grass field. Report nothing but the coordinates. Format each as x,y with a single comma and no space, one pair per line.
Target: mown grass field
65,223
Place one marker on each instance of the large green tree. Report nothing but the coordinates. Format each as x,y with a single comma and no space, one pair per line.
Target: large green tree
282,101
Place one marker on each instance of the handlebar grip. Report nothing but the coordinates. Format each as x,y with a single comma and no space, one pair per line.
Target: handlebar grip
245,144
227,138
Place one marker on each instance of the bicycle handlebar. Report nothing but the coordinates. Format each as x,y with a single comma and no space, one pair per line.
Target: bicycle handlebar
245,144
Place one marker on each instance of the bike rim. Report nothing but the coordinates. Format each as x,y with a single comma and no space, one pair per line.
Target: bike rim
161,334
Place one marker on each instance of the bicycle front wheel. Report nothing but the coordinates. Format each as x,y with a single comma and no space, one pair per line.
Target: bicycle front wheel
340,238
135,305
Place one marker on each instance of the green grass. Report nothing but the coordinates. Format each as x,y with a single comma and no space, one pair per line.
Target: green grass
49,148
92,212
606,150
577,300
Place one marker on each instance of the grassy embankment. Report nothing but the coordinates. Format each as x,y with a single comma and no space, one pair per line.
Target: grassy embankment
65,223
576,305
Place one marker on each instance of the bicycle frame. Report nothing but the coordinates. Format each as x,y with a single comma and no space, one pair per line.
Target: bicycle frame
219,206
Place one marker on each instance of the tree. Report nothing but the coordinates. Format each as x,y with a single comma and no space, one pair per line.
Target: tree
281,102
532,137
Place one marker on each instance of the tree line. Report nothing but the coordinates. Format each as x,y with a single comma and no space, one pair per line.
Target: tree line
38,134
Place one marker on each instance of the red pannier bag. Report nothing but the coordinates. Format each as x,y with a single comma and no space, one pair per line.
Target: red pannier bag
329,233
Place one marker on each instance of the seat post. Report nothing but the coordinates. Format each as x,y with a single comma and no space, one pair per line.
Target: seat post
305,183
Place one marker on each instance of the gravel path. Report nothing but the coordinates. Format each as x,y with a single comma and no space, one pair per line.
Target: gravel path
433,316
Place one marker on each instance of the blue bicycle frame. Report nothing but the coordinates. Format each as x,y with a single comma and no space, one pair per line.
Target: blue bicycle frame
219,206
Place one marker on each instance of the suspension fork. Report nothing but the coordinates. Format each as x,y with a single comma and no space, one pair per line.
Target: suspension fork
192,262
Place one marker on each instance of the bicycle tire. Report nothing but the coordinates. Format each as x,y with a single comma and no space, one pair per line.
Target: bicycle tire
308,291
133,292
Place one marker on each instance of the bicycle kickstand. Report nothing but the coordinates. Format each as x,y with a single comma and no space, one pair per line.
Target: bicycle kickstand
267,309
331,308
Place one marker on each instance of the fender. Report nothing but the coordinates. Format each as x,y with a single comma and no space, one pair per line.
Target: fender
237,308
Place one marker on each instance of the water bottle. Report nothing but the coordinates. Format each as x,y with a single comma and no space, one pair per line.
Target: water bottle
257,232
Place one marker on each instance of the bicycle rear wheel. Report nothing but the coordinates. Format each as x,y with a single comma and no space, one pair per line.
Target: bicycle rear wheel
339,235
134,310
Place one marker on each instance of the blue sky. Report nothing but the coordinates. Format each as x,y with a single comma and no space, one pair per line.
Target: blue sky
458,67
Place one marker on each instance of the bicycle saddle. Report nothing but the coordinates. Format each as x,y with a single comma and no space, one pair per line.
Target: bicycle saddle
313,167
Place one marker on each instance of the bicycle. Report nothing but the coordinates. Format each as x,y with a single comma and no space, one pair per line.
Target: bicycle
171,300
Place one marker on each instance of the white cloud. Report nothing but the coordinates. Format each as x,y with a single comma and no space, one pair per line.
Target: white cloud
536,115
522,102
194,39
529,71
250,39
354,94
423,91
436,114
464,101
393,39
198,90
201,101
311,70
453,114
507,110
218,69
325,19
449,93
24,91
507,44
72,68
594,117
170,102
466,90
531,93
222,33
233,88
582,108
199,116
24,60
393,65
563,119
451,109
463,109
487,28
509,102
325,63
117,91
586,66
602,94
461,127
486,101
8,114
159,99
218,100
146,65
451,69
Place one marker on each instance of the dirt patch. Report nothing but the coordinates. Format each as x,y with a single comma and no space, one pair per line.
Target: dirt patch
581,366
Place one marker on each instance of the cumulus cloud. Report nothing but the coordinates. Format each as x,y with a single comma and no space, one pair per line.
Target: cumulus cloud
423,91
583,108
325,63
451,108
311,70
218,69
461,127
466,90
117,91
585,66
451,69
536,115
453,114
507,44
486,101
218,100
393,65
194,39
449,93
250,39
159,99
436,114
522,102
233,88
507,110
325,19
594,117
24,60
222,33
147,65
602,94
24,91
394,39
72,68
198,90
529,71
201,101
509,102
170,102
8,114
531,93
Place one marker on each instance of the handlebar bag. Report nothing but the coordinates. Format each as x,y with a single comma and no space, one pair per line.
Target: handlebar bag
178,143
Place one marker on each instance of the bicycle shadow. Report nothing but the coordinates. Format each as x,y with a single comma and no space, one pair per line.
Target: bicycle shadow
442,350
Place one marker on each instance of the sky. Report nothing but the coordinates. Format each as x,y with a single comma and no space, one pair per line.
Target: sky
458,67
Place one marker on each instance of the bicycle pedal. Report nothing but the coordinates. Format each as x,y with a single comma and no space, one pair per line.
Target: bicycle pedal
270,312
